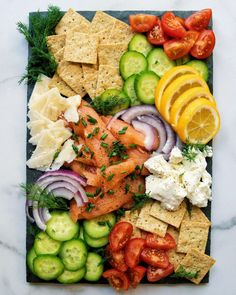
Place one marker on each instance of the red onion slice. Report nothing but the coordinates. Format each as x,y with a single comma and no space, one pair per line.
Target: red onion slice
45,182
171,139
79,200
136,111
116,116
159,126
39,222
28,204
149,132
64,193
46,214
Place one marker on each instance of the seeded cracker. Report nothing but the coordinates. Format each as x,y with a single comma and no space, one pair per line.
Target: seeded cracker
131,217
81,47
59,55
71,19
149,223
102,21
196,214
174,257
72,74
110,54
108,77
195,261
104,36
64,89
171,217
121,33
56,42
192,234
90,73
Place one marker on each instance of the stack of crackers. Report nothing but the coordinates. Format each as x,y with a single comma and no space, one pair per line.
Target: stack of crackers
88,53
189,229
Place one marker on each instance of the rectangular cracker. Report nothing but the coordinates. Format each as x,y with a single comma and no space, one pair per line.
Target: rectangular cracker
81,47
195,261
72,74
121,33
108,77
90,73
110,54
174,257
102,21
171,217
131,217
63,88
104,36
59,55
56,42
148,223
196,215
192,234
72,19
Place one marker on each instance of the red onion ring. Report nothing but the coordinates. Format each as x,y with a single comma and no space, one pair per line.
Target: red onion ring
171,139
39,222
28,204
136,111
116,116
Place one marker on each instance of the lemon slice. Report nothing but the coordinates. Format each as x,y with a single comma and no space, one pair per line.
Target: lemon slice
188,96
177,88
199,122
168,78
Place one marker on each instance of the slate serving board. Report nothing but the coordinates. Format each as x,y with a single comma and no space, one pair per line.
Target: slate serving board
32,175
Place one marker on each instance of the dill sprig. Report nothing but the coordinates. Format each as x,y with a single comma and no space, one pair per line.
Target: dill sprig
44,198
40,61
139,200
190,150
109,105
182,273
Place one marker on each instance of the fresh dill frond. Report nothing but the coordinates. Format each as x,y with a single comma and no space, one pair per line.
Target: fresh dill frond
182,273
139,200
109,105
190,150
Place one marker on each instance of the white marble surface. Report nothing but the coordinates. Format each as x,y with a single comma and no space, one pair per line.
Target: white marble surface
13,57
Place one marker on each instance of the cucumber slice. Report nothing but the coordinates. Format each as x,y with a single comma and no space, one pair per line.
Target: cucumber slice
48,267
159,62
130,91
73,254
145,85
71,277
99,227
81,233
132,62
110,92
183,60
31,255
94,267
95,243
140,43
43,244
60,226
201,67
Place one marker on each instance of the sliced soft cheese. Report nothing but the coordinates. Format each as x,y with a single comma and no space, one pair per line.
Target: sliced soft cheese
42,160
41,86
71,114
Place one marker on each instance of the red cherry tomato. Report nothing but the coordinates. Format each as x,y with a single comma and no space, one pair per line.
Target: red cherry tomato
204,45
116,259
155,274
154,257
191,37
157,242
171,26
133,250
175,49
136,274
142,22
157,36
119,235
180,20
199,20
117,279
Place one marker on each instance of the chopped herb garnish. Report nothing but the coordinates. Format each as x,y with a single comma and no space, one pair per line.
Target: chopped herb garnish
105,145
189,208
92,154
109,178
104,136
182,273
127,186
118,150
91,120
133,145
140,187
89,207
140,200
98,190
124,157
75,149
90,195
102,223
108,105
115,163
74,136
123,130
133,176
102,195
87,150
109,224
84,122
123,172
94,132
190,151
120,213
110,192
103,168
55,156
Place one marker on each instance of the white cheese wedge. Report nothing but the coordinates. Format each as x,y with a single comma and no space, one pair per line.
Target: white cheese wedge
41,86
71,114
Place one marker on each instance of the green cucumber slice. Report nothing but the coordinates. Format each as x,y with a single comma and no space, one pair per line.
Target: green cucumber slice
140,44
48,267
99,227
94,267
31,255
95,243
71,277
73,254
183,60
60,226
132,62
43,244
130,91
159,62
145,85
201,67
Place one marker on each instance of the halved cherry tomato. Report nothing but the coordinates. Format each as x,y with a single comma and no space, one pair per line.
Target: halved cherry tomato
157,36
119,235
155,274
175,49
142,22
199,20
136,274
154,257
204,45
116,259
117,279
171,26
191,37
157,242
180,20
133,250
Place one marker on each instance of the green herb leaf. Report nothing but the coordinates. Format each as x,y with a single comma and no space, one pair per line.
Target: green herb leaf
84,122
103,168
182,273
140,200
74,136
190,151
120,213
75,149
91,120
104,136
123,130
110,192
127,186
109,105
89,207
92,154
189,208
105,145
87,150
109,178
133,145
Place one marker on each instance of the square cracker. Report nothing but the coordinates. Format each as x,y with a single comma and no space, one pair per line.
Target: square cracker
63,88
171,217
195,261
121,33
71,19
56,42
192,234
102,21
81,47
104,36
110,54
148,223
174,257
131,217
108,77
59,55
72,74
196,215
90,73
